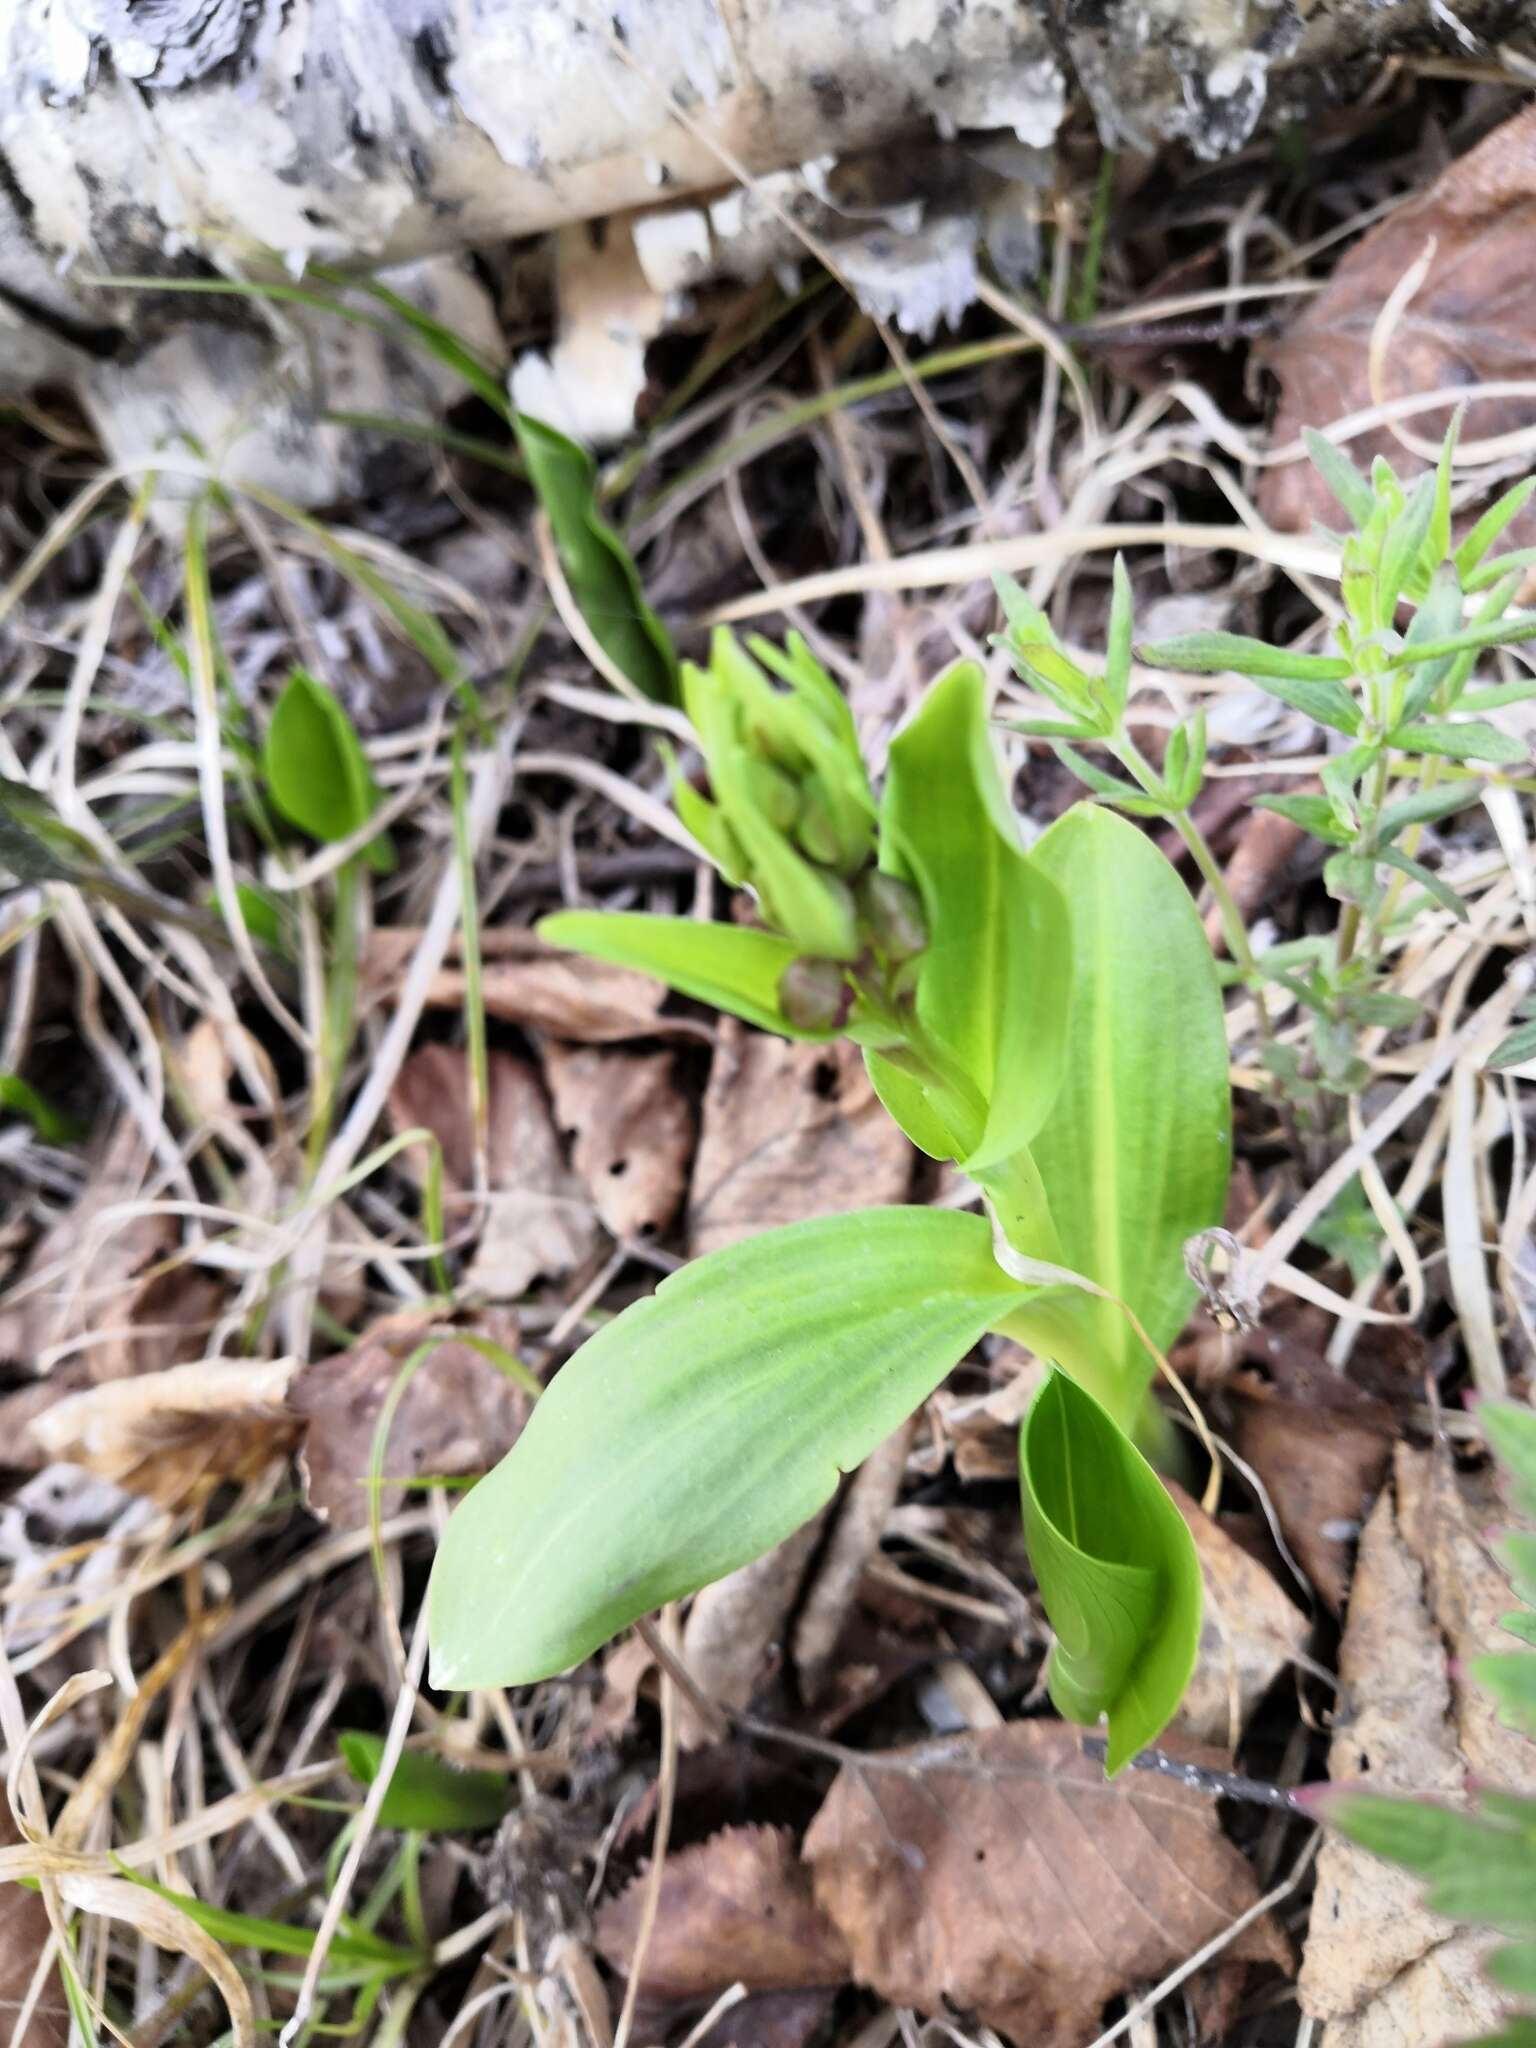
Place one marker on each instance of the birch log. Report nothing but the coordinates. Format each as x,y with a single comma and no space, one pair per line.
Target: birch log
189,137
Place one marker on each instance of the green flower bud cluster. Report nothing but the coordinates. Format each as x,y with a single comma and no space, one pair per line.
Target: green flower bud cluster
790,814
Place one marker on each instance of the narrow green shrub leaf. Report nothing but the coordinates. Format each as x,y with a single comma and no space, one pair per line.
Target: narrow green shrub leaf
1112,787
354,1949
1425,806
1208,654
1497,633
1469,740
1402,547
1117,646
701,1427
426,1791
1496,696
1314,814
730,966
314,764
1493,522
1440,614
1516,1049
1341,476
994,984
598,566
1427,880
1136,1149
1116,1567
1511,1433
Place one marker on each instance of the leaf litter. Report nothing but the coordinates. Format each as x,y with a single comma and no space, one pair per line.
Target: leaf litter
157,1291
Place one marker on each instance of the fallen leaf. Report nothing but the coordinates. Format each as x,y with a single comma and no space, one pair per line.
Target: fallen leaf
1249,1632
735,1626
1320,1448
862,1515
536,986
1469,321
534,1217
788,1132
631,1133
1378,1967
735,1909
23,1937
1011,1883
458,1415
173,1436
88,1277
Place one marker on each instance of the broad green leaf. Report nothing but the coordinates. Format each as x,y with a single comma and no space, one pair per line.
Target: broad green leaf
1116,1567
1514,1968
598,566
1207,654
1136,1150
1474,1868
1341,476
729,966
314,764
701,1427
1469,740
994,984
1314,814
1510,1675
426,1791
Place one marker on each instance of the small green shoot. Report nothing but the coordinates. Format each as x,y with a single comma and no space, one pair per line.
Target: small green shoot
425,1791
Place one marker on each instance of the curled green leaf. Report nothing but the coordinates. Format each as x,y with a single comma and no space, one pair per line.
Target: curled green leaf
1116,1566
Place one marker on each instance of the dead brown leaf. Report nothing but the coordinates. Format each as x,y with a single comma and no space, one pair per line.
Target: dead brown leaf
536,986
736,1909
91,1275
535,1218
23,1937
1470,321
735,1628
631,1133
1249,1632
173,1436
1012,1883
1378,1967
1321,1448
458,1415
789,1131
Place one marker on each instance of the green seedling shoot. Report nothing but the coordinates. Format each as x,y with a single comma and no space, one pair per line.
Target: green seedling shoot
1051,1021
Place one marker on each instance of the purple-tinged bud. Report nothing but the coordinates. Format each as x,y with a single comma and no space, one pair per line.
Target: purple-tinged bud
815,995
893,911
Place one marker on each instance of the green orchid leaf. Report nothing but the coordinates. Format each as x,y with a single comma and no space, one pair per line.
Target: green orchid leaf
1467,740
1136,1149
1208,654
427,1792
315,767
701,1427
1116,1566
994,983
729,966
599,568
1351,489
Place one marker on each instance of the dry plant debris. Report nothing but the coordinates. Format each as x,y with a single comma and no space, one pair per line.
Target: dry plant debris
630,1129
1427,1597
1468,323
1251,1632
1001,1877
534,985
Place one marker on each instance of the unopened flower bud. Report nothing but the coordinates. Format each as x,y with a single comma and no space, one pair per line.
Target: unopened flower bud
814,995
893,911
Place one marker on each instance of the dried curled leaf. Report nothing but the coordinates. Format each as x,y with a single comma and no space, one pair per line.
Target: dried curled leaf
175,1435
1009,1881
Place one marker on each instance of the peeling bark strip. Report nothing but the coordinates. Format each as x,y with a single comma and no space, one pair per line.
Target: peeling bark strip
179,137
